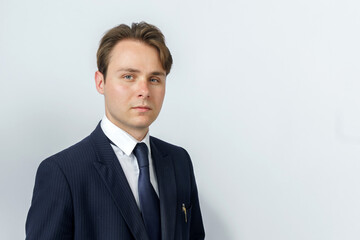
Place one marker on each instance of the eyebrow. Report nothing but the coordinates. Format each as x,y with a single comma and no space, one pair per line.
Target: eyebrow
158,74
133,70
128,70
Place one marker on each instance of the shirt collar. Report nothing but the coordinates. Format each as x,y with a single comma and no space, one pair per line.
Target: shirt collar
120,138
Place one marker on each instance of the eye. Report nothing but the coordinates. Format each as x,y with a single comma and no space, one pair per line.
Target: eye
128,77
154,80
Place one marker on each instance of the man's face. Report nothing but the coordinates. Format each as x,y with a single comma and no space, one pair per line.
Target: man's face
134,89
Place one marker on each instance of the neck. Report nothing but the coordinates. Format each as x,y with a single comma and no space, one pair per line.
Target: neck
137,133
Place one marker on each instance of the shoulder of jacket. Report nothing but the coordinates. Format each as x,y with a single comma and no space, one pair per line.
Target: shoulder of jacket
77,151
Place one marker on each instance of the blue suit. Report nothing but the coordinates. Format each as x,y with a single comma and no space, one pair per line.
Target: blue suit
82,193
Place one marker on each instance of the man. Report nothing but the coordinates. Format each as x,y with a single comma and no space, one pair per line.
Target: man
120,183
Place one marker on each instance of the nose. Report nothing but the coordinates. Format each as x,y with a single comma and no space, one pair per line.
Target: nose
143,89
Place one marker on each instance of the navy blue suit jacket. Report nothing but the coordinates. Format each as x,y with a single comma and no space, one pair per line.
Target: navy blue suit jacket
82,193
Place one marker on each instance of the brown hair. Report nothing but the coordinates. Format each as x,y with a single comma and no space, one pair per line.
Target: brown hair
143,32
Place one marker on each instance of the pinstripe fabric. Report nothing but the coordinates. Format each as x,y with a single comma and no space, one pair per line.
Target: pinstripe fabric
82,193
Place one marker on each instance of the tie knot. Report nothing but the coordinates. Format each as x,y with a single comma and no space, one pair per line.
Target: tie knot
141,154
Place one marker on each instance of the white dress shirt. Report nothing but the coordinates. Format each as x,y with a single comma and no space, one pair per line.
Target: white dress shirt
123,148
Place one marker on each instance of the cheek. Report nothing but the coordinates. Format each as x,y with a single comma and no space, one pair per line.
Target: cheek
160,96
161,92
118,93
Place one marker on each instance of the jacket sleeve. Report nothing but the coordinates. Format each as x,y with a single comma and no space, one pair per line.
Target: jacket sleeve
197,231
51,212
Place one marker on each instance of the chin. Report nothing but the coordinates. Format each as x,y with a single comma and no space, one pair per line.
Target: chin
142,126
143,123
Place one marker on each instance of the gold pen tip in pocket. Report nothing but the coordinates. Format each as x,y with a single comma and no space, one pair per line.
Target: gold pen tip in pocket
184,210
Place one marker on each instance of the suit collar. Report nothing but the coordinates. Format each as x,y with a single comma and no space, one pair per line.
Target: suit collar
167,188
110,171
115,181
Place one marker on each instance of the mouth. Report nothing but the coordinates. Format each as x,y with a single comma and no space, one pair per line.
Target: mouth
142,108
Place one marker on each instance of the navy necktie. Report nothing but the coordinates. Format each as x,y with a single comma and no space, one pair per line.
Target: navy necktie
149,201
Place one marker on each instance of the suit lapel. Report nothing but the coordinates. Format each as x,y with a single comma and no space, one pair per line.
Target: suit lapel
167,189
109,168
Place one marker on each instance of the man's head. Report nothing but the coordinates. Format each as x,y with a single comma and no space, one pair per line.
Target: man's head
135,63
143,32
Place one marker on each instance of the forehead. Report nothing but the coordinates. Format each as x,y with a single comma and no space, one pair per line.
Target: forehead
134,52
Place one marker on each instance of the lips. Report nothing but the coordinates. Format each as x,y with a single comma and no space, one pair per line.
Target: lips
142,108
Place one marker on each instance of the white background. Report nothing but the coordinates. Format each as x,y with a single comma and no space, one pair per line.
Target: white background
263,94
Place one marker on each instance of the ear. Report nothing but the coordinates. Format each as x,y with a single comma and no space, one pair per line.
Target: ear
99,82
